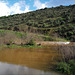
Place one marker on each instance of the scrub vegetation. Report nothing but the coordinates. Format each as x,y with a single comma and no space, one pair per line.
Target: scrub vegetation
57,23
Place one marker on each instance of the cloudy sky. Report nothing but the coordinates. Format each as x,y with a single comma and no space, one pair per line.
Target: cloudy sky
9,7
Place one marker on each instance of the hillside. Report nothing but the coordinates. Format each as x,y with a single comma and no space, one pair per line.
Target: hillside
56,22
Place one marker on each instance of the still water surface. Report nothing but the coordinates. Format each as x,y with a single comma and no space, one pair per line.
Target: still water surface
28,61
9,69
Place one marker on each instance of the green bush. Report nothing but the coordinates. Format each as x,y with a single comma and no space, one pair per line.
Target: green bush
72,67
66,68
71,62
31,42
63,67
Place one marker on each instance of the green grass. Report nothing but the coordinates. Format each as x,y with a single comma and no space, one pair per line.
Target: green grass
20,46
15,32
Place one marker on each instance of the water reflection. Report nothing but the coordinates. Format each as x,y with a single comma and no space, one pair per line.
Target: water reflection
9,69
37,58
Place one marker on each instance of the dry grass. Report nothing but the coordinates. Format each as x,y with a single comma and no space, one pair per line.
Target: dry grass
67,51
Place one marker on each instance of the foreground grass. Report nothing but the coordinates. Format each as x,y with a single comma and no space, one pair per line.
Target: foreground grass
20,46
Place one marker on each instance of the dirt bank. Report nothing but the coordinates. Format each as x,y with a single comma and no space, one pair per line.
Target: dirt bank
48,43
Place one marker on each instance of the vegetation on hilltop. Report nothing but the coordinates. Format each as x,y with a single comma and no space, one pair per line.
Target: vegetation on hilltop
58,22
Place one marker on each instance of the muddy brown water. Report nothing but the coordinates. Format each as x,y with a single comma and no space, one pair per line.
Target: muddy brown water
28,61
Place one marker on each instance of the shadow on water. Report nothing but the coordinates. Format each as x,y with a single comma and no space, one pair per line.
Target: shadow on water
38,58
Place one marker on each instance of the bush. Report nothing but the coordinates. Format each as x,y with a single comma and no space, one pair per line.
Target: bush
63,67
71,62
67,68
72,67
31,42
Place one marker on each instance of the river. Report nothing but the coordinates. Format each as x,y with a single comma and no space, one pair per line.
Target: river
28,61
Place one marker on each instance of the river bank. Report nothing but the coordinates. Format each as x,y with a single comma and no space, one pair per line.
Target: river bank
39,44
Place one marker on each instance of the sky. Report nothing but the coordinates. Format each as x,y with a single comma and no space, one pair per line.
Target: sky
10,7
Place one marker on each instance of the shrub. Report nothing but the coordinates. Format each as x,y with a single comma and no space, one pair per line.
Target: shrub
72,69
67,68
72,66
71,62
31,42
63,67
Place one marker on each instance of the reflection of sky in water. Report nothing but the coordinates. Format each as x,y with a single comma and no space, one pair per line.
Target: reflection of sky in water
9,69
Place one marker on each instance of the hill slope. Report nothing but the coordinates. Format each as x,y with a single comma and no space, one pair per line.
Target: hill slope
57,22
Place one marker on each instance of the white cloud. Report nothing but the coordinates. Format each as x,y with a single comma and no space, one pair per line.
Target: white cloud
39,5
15,8
6,10
27,8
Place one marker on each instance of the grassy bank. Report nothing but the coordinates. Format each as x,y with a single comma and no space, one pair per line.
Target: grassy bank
20,46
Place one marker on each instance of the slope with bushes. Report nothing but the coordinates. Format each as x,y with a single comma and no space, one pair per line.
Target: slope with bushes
55,22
